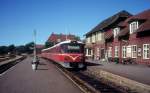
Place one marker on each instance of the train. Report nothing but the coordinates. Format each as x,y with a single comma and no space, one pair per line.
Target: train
69,54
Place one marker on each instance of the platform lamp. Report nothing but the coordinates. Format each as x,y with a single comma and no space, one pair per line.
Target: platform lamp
34,65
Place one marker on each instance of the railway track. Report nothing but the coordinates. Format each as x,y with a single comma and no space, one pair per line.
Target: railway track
6,66
97,84
87,83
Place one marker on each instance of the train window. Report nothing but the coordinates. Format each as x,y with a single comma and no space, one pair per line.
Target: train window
72,48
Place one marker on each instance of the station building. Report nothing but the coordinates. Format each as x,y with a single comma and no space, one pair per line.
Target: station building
56,38
121,38
39,48
96,38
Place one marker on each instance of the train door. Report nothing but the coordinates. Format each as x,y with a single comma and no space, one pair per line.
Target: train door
102,53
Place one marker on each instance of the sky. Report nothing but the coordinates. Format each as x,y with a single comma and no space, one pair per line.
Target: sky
18,18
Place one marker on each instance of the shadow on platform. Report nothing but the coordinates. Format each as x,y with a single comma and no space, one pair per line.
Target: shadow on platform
42,64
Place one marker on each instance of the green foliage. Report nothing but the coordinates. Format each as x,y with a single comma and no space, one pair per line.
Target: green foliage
6,49
77,38
3,50
29,47
20,49
48,44
11,48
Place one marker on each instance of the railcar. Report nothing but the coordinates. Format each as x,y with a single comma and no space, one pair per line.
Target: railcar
69,54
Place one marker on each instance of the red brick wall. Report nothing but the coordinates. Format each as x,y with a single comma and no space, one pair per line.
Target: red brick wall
133,40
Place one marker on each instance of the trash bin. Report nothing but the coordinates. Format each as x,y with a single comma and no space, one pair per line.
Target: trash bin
116,60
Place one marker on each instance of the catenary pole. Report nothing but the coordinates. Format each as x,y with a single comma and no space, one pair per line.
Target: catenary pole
34,60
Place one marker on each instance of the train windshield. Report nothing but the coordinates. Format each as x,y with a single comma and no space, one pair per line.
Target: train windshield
73,48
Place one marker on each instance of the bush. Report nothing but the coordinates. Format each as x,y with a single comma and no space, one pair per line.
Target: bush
116,60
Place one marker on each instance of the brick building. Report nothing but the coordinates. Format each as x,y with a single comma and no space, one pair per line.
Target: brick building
127,40
39,47
95,39
56,38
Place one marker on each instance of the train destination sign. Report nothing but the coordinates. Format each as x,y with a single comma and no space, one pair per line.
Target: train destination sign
73,47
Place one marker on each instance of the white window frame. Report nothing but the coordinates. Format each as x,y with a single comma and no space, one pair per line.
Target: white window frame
132,51
146,50
124,51
93,38
133,26
99,36
58,40
116,31
96,36
89,52
116,51
109,51
88,40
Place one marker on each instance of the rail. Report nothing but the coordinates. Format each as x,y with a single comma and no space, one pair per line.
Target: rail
87,83
9,63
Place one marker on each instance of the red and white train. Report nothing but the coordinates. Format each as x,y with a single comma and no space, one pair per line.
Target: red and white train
69,54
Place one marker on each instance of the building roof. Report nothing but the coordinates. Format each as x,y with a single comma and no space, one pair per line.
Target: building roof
144,26
62,37
124,32
141,16
107,22
108,34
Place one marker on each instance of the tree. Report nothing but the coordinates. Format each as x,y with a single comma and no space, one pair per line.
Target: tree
11,48
3,50
20,49
48,44
77,38
29,47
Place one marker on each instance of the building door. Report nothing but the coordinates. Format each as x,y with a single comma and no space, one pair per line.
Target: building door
102,53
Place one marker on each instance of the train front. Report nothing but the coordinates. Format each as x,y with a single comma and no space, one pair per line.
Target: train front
73,55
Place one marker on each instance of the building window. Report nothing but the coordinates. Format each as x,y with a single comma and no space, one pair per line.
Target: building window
134,51
110,52
116,51
96,36
133,27
88,39
124,51
89,52
58,40
116,31
146,51
93,38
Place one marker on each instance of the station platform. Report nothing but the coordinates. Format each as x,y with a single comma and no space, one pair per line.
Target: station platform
138,73
46,79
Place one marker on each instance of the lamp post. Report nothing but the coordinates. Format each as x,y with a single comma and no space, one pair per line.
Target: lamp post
34,63
34,59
